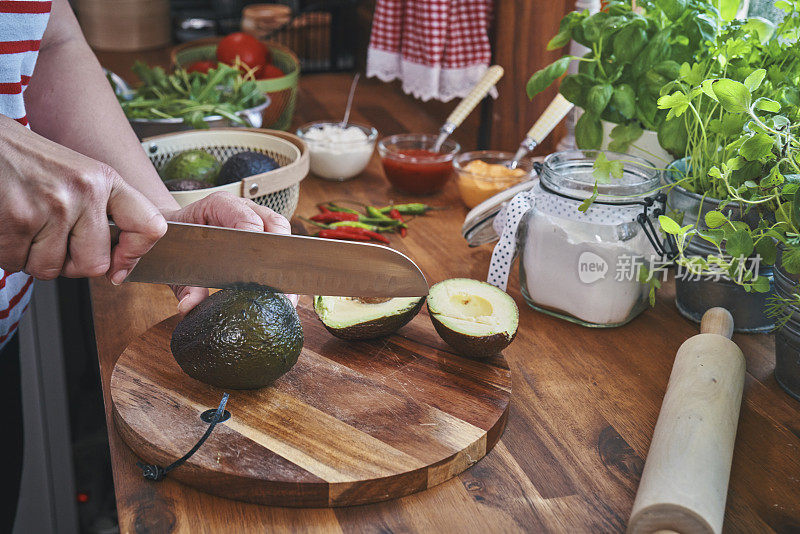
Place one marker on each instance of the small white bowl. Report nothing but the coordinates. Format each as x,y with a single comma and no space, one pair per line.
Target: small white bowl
338,161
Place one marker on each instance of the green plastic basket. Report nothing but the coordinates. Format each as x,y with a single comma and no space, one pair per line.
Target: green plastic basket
282,91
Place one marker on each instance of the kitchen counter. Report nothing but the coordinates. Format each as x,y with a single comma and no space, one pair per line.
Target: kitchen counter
583,408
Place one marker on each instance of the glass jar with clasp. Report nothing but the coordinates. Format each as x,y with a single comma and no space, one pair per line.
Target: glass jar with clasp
582,260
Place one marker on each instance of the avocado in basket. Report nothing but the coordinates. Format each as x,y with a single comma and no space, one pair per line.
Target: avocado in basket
191,165
245,164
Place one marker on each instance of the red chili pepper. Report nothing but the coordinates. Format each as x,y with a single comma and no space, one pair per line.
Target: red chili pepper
369,235
342,233
330,216
323,208
394,214
376,236
364,232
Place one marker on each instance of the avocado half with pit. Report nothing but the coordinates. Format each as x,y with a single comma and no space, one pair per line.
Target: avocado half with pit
365,318
239,338
476,319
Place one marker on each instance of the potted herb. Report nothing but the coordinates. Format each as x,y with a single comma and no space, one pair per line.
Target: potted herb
765,106
635,48
727,135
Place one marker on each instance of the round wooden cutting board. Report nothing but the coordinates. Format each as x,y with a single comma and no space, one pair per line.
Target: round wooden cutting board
353,422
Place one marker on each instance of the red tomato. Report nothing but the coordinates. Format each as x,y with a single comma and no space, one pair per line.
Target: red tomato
269,71
201,66
247,48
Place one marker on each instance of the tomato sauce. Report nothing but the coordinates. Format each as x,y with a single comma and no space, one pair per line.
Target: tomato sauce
418,171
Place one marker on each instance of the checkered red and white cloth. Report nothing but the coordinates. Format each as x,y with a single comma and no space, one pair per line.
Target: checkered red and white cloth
438,48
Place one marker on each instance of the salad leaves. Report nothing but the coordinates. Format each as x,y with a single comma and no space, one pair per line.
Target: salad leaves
191,96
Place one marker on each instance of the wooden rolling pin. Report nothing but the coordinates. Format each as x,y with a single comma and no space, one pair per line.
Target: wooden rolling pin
685,479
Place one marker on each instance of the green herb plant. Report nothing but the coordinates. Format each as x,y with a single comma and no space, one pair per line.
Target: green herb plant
634,52
767,138
224,91
763,59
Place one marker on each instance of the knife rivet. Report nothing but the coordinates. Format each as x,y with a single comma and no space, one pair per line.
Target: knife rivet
253,189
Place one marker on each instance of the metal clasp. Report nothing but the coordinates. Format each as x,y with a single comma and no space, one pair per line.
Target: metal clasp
670,251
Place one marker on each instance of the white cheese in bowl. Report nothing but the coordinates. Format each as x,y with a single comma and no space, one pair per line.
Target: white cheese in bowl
338,153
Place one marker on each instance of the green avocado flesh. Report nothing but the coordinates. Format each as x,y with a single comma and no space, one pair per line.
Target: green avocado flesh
475,318
365,318
239,338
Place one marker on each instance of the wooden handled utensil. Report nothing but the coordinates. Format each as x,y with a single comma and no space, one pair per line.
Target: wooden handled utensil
685,479
555,111
470,102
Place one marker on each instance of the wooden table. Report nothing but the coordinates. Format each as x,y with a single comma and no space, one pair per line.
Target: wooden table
583,408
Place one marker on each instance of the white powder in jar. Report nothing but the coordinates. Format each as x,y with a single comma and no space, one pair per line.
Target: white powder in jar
569,270
338,153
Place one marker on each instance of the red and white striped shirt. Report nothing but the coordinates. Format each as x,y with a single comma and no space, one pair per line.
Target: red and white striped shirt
22,24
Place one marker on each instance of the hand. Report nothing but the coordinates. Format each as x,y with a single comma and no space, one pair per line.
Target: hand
224,209
54,210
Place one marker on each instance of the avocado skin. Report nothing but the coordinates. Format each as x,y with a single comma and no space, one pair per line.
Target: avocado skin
475,347
239,338
186,185
193,164
375,328
245,164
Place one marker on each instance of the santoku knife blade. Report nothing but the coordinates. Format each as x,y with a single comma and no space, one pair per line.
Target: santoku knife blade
209,256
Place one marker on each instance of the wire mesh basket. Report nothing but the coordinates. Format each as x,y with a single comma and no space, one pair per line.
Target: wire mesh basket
281,91
278,189
323,34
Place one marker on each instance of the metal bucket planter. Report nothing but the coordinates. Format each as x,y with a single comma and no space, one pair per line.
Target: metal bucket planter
694,297
787,338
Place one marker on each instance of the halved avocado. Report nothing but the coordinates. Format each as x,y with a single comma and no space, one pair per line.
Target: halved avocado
365,318
475,318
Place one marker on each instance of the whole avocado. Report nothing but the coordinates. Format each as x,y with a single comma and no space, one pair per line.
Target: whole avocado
191,165
245,164
186,185
244,338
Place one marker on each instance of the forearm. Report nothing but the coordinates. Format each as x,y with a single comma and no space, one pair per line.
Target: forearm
69,101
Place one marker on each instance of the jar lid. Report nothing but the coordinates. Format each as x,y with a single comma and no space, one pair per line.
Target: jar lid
571,173
477,228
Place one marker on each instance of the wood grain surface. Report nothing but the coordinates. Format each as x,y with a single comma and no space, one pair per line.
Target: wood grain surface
522,30
579,426
353,422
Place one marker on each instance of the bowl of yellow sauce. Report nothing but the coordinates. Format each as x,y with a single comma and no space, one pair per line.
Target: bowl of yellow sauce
484,173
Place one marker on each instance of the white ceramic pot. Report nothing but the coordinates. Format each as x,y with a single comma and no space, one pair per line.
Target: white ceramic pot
646,146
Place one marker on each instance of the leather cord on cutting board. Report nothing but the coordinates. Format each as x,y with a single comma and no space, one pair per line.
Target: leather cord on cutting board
156,472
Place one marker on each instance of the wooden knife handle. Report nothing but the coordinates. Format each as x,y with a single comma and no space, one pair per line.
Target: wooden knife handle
484,85
685,479
555,111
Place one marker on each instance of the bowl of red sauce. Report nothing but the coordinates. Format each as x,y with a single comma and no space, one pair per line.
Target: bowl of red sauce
412,166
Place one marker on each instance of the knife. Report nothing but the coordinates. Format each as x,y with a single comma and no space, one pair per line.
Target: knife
209,256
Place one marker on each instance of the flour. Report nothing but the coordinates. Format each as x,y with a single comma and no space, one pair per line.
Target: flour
567,269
